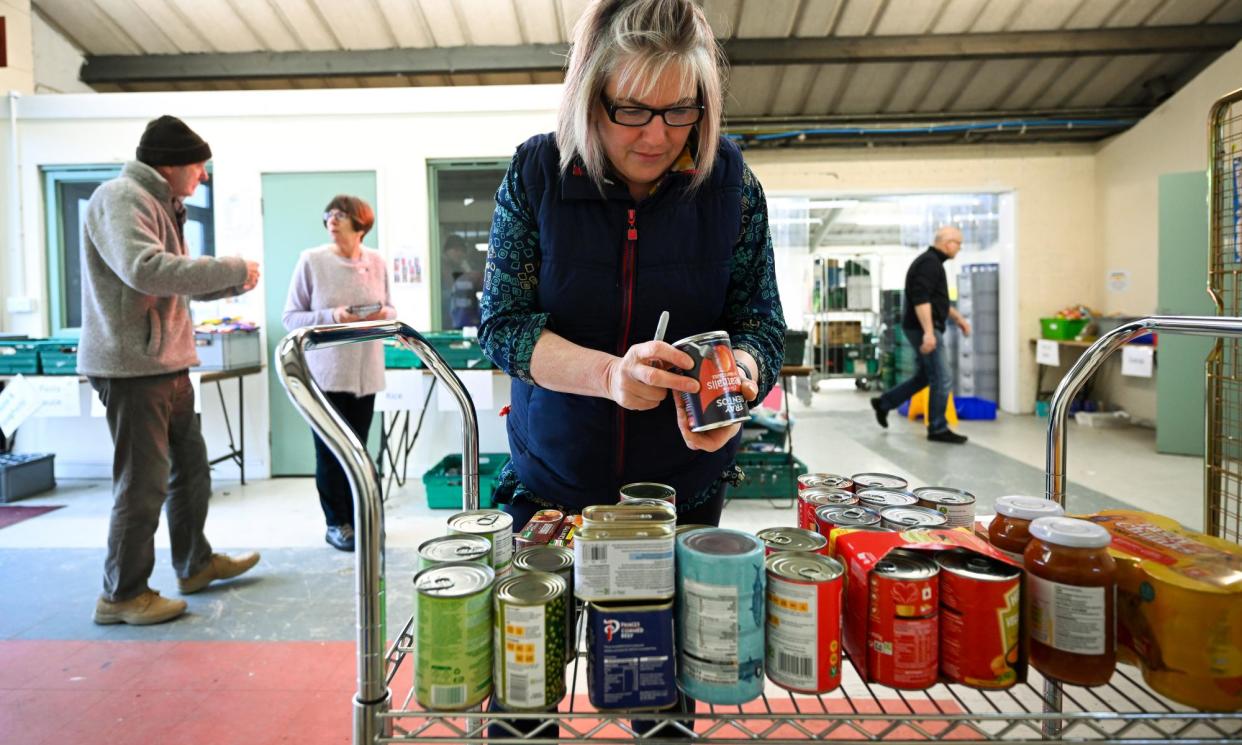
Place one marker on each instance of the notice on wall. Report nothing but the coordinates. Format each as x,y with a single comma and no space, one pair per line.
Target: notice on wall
60,395
1137,360
18,401
1048,352
1118,280
403,391
406,269
479,385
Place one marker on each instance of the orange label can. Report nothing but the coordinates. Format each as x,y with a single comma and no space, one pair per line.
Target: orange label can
980,608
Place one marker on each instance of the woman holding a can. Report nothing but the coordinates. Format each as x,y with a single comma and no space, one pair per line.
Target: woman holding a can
634,206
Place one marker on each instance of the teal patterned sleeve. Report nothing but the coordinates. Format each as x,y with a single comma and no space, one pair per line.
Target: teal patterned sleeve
511,322
753,314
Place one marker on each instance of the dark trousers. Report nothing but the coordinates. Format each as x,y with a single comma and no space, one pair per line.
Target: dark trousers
334,494
159,461
934,374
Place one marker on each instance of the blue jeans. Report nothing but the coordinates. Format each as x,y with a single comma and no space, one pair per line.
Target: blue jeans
933,373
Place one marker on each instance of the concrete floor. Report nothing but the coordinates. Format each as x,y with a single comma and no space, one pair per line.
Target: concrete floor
298,605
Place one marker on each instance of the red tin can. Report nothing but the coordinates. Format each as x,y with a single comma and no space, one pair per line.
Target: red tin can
980,609
878,481
804,621
810,500
719,402
824,481
880,499
903,618
792,539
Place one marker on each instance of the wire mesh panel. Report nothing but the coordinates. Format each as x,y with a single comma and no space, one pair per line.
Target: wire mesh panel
1223,464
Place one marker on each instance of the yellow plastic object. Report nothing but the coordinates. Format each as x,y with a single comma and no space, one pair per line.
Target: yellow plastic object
918,408
1179,608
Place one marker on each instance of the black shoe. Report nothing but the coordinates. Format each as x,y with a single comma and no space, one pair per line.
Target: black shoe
948,436
340,537
881,413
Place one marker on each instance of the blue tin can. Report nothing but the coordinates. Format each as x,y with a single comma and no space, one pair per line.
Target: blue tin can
631,661
720,615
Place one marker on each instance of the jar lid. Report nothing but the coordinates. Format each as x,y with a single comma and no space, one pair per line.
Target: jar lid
1027,508
1070,531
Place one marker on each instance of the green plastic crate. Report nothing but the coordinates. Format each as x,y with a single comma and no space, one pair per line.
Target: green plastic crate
459,352
1062,329
768,476
19,357
59,356
443,480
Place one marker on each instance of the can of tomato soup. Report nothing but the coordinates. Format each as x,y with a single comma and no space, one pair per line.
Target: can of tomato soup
719,402
792,539
810,500
828,519
980,604
903,618
878,481
824,481
911,518
957,505
804,621
878,498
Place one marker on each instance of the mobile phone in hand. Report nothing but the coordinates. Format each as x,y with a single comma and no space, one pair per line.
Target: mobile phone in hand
364,310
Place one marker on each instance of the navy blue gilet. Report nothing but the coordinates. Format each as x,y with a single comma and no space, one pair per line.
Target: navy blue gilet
609,267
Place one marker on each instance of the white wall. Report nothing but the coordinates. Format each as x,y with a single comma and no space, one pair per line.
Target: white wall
1171,139
394,132
1053,191
57,62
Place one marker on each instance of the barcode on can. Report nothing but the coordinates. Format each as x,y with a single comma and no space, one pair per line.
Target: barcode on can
519,689
802,667
596,553
448,695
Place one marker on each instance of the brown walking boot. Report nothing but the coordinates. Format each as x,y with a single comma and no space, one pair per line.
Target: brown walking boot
221,566
143,610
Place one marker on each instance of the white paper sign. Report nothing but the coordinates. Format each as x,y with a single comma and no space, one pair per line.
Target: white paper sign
17,402
1048,352
403,392
477,382
1136,360
196,380
1118,280
61,395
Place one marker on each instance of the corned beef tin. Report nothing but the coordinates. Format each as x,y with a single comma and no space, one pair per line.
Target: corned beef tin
911,518
645,490
811,499
878,481
719,402
902,625
957,505
631,660
804,621
980,608
828,519
878,498
625,552
792,539
824,481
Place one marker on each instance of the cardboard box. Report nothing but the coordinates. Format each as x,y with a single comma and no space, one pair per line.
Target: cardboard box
842,332
861,550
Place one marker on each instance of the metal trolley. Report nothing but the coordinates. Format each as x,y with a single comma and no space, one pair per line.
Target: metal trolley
1124,711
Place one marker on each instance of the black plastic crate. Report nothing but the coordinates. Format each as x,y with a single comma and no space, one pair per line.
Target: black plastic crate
25,475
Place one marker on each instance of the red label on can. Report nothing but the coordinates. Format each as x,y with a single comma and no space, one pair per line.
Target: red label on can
811,499
804,634
902,638
979,630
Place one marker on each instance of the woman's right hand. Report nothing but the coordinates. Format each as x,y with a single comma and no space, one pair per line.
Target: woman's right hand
341,314
637,382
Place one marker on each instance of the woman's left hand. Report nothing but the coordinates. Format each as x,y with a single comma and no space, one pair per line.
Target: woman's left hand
713,439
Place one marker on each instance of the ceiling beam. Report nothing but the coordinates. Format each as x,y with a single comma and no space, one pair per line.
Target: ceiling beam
531,58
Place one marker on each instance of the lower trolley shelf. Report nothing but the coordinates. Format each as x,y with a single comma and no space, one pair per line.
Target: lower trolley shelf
1124,711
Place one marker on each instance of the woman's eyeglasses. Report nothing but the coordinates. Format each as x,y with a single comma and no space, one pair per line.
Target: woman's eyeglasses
338,214
639,116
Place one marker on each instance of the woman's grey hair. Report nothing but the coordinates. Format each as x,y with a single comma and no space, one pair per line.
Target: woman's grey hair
639,40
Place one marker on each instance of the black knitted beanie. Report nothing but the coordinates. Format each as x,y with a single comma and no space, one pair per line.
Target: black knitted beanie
167,141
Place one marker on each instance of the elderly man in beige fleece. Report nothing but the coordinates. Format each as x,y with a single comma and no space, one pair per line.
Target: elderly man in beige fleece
136,347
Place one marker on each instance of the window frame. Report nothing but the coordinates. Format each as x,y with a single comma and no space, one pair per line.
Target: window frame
434,169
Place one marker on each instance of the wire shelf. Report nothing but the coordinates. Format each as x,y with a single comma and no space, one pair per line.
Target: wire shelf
1124,711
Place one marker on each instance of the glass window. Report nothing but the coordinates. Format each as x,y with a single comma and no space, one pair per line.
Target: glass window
464,199
68,191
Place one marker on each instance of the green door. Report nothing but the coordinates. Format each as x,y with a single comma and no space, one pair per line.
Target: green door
293,222
1182,288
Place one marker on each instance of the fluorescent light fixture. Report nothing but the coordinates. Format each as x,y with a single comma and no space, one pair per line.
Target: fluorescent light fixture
831,204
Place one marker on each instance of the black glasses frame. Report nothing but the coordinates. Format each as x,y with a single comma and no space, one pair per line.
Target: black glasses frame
612,107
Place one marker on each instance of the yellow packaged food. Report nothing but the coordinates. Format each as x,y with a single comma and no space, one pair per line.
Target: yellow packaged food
1179,608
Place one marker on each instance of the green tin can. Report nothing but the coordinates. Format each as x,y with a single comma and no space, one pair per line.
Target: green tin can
530,641
556,560
453,632
447,548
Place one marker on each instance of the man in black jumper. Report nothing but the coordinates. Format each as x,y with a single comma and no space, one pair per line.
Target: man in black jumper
927,308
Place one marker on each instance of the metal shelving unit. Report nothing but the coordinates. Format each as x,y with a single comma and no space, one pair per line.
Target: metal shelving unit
844,292
1125,711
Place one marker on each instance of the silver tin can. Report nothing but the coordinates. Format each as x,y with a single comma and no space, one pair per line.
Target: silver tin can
957,505
447,548
494,525
911,518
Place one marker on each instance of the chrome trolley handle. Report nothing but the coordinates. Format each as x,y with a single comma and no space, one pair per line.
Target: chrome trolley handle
373,697
1072,383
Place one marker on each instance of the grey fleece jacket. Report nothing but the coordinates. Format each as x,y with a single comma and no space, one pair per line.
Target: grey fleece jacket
137,279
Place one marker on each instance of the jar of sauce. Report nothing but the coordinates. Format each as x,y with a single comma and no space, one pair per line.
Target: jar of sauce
1009,531
1071,588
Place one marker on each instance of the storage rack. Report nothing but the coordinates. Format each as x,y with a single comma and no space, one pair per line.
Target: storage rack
844,292
1222,477
1124,711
